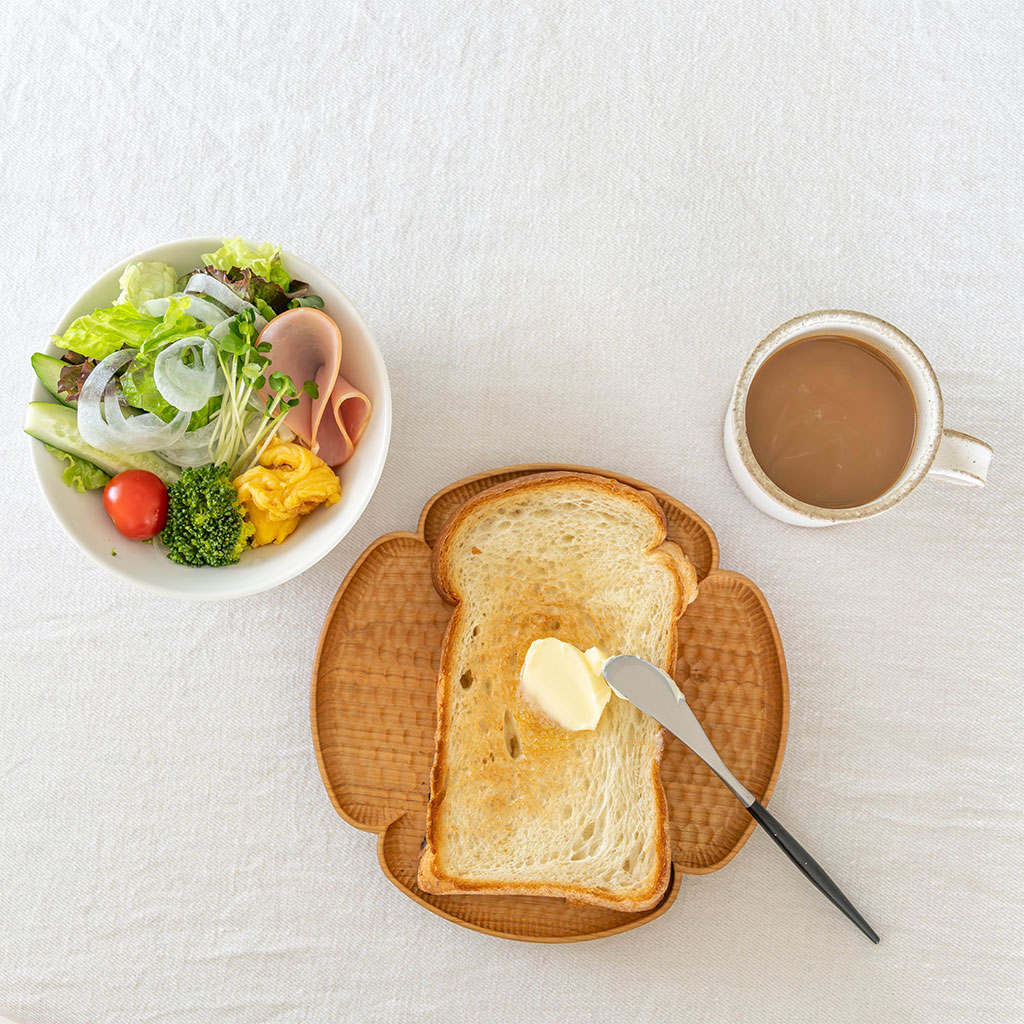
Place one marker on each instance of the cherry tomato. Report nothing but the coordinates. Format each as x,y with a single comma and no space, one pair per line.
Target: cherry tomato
136,501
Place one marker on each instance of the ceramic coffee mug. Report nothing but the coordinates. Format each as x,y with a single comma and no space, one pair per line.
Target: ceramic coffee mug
946,454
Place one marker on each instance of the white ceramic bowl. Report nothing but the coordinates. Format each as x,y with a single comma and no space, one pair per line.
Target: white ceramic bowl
146,565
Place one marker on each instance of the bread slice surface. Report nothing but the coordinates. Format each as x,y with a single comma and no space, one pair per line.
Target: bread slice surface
519,805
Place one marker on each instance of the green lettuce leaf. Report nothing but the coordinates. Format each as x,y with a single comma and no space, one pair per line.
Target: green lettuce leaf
145,280
174,324
140,392
103,331
263,260
79,474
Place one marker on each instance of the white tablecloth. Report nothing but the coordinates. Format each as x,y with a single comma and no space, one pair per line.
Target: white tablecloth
566,225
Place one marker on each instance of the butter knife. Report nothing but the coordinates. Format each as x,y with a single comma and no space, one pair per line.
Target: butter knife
656,694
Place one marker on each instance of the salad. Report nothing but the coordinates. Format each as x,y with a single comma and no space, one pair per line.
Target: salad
201,426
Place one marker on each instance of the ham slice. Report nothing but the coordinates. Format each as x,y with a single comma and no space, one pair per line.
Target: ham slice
306,345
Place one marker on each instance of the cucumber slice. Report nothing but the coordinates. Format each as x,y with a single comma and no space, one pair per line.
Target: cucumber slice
57,425
48,371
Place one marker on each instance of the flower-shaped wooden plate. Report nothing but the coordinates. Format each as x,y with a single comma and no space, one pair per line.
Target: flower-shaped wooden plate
373,714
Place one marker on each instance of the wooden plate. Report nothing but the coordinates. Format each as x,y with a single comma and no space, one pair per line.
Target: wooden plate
373,714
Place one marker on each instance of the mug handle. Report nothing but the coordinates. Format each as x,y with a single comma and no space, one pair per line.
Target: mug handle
961,459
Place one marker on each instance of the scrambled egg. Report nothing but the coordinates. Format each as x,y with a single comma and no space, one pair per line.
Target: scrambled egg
289,482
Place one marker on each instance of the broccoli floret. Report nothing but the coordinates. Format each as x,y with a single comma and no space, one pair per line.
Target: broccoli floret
206,524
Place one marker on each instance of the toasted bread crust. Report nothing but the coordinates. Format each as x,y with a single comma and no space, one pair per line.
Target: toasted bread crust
441,555
431,878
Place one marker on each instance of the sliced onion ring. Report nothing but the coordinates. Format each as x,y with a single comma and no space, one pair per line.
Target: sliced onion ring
187,387
117,434
146,432
202,309
186,457
203,284
194,447
198,438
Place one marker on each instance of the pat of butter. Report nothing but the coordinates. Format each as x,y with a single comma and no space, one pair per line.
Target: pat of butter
565,683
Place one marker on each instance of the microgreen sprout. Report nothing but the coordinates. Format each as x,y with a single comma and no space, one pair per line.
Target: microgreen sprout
253,403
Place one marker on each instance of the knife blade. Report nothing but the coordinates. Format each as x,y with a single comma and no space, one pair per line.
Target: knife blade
655,693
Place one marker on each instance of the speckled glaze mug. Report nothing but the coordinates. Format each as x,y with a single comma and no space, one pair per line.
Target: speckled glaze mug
943,453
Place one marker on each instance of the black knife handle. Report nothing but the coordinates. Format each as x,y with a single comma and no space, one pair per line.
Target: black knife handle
809,866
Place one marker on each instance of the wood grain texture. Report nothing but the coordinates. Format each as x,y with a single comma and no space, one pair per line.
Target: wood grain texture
373,713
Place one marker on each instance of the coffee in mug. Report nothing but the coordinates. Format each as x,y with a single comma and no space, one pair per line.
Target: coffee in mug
831,420
837,416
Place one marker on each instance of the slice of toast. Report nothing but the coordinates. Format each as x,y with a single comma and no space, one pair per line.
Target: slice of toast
519,805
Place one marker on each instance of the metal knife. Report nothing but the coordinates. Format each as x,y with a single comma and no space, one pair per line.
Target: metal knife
656,694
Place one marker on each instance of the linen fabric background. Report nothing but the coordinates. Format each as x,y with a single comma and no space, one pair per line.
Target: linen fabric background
566,224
